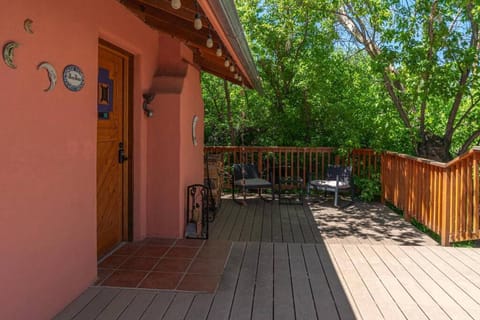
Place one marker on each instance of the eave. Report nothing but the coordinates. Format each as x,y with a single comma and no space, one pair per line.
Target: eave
220,19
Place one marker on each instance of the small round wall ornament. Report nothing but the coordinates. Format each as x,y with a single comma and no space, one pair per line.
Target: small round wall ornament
73,78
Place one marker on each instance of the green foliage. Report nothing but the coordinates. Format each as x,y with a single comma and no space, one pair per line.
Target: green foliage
321,87
370,188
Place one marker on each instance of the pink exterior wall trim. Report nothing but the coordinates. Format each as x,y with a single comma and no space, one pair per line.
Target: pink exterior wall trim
48,140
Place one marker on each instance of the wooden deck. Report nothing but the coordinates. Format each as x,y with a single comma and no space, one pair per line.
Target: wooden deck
280,267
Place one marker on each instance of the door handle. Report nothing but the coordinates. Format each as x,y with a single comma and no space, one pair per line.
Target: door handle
121,153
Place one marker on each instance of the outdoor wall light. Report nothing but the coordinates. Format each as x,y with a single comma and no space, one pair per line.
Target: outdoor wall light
147,99
176,4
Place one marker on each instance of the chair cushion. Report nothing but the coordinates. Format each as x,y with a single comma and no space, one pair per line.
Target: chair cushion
253,183
329,184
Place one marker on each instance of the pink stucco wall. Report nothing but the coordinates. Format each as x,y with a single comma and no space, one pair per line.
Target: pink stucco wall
173,161
48,142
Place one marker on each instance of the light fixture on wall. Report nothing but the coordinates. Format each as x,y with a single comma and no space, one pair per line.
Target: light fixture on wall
232,68
176,4
227,62
147,99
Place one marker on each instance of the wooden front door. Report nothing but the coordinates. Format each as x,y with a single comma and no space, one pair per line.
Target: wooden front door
112,148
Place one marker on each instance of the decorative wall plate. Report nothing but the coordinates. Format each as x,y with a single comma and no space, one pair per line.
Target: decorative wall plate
73,78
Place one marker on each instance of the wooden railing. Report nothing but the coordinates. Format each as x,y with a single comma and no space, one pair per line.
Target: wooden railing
298,162
442,196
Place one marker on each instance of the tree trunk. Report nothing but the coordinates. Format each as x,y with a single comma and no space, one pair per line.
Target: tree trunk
434,147
229,113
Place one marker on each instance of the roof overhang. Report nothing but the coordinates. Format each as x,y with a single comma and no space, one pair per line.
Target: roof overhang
220,19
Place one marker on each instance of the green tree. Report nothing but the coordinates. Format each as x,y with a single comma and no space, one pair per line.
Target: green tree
427,55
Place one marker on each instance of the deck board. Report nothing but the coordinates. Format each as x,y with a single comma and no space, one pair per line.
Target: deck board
137,307
302,292
200,307
96,306
375,286
321,292
223,299
78,304
247,226
158,306
364,301
408,294
429,285
287,235
283,304
117,306
263,300
179,307
266,235
443,280
243,301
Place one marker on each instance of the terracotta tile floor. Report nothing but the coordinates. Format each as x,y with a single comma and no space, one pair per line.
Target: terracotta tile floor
184,265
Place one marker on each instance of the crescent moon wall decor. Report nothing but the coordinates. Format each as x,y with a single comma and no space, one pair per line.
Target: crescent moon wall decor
9,54
52,74
27,25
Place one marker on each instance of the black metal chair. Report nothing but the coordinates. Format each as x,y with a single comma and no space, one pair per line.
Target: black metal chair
246,177
338,179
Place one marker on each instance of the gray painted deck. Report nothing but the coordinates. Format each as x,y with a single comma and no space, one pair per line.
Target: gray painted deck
290,262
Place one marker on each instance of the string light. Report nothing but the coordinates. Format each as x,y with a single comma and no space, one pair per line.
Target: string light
232,68
219,51
197,23
209,41
240,78
176,4
227,63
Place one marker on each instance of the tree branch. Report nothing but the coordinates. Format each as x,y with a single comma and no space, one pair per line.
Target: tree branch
427,74
469,142
463,78
466,113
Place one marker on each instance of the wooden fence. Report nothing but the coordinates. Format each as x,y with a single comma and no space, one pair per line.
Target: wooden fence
280,162
442,196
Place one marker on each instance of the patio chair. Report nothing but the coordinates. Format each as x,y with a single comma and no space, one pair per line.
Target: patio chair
246,177
338,179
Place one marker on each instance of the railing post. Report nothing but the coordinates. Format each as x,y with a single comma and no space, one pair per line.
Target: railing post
382,177
445,213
